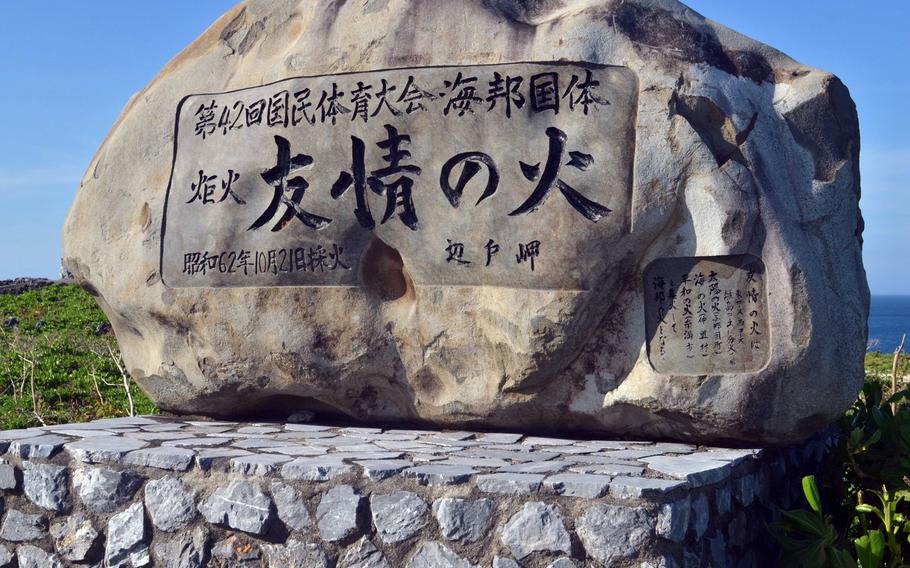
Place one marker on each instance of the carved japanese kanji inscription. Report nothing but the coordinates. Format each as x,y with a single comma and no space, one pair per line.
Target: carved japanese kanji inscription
513,175
707,315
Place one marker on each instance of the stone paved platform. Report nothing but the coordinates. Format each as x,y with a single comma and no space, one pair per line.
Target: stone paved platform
148,491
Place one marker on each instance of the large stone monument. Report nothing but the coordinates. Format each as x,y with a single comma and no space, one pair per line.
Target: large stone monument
605,216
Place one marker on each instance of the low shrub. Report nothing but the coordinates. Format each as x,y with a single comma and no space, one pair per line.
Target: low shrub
859,508
59,361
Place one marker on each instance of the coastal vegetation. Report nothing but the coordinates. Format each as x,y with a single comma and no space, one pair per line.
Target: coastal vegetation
857,510
59,361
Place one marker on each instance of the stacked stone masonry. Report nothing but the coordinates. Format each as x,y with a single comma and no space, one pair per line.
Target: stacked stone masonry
150,491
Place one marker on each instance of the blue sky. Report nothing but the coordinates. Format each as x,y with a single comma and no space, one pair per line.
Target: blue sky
68,68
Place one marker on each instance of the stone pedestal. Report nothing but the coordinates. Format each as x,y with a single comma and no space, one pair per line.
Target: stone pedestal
158,491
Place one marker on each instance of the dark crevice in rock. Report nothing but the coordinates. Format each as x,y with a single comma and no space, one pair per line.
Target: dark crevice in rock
229,31
90,289
252,35
827,126
529,12
743,135
382,271
280,406
713,126
145,217
752,65
239,35
661,29
732,229
330,16
179,327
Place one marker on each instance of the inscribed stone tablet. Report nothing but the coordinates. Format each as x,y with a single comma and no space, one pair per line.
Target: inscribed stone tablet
707,315
513,175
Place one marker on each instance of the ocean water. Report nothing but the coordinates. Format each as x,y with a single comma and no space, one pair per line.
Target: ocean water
889,318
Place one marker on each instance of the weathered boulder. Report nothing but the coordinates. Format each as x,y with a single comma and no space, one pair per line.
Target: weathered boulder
649,226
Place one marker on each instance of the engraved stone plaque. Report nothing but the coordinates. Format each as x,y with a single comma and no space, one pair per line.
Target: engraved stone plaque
707,315
514,175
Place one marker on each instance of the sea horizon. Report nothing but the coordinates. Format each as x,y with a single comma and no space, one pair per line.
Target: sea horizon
889,319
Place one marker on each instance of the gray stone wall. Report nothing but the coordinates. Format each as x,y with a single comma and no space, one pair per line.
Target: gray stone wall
152,491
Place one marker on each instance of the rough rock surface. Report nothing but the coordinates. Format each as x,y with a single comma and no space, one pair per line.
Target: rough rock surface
739,153
398,516
537,527
338,513
19,526
673,520
291,508
462,519
46,485
610,533
126,538
30,556
294,553
240,505
186,550
170,503
237,551
7,476
6,557
436,555
104,490
75,538
363,554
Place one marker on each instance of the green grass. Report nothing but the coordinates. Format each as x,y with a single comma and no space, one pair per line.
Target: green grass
75,371
878,364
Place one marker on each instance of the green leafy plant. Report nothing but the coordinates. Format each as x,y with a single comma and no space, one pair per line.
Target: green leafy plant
865,489
895,528
876,442
809,538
